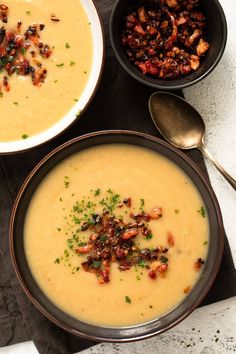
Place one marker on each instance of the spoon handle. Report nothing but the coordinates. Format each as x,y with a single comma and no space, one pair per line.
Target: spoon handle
225,174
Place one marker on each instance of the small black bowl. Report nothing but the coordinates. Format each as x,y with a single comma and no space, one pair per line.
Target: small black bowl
216,36
102,333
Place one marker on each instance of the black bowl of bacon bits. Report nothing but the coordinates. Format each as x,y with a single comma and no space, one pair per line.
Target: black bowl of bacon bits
168,44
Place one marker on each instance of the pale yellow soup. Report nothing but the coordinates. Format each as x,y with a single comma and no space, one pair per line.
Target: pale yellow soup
129,171
27,110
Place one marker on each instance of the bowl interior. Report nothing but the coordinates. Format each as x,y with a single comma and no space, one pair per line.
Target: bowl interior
216,36
89,90
108,333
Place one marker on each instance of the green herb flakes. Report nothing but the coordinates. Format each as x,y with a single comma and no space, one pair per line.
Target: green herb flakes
28,12
58,229
127,299
149,236
205,243
142,202
202,211
67,45
60,65
72,63
24,136
97,192
15,103
66,181
57,261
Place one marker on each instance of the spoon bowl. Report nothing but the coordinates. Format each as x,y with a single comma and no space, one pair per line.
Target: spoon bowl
182,126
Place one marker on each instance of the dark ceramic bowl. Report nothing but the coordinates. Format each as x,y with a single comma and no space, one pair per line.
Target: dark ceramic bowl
216,36
119,334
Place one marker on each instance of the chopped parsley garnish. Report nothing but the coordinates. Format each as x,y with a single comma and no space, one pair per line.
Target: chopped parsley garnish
202,212
205,243
127,299
103,238
142,202
96,264
57,260
58,229
97,192
72,63
55,81
60,65
24,136
149,236
76,99
66,181
67,45
1,94
142,263
28,12
15,103
66,253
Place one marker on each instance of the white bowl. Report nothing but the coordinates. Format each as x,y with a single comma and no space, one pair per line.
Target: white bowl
89,90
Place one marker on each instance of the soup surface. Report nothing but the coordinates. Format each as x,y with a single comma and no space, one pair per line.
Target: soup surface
116,235
29,107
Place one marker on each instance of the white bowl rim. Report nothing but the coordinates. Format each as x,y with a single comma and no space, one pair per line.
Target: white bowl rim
94,19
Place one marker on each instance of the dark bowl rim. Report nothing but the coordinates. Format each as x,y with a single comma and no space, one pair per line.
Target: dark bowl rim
174,86
77,117
156,140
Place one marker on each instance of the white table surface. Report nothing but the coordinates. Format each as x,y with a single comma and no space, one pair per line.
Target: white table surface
211,329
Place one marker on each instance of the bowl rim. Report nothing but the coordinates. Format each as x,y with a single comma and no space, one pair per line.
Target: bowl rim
59,127
206,184
142,79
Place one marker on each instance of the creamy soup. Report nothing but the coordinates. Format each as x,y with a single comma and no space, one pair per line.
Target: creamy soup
133,203
30,106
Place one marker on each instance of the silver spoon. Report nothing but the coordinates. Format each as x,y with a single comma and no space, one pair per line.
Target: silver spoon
182,126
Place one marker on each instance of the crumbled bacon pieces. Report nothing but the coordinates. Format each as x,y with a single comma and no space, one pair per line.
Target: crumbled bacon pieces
3,13
198,264
113,240
13,48
165,38
54,18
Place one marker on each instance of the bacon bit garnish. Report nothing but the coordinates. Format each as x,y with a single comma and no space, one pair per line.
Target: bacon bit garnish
6,83
170,239
3,13
152,274
152,31
156,213
54,18
38,77
127,201
162,268
13,48
83,249
113,240
198,264
129,233
187,290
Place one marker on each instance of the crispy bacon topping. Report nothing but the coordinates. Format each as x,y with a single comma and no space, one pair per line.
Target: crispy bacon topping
14,47
113,240
3,13
165,38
